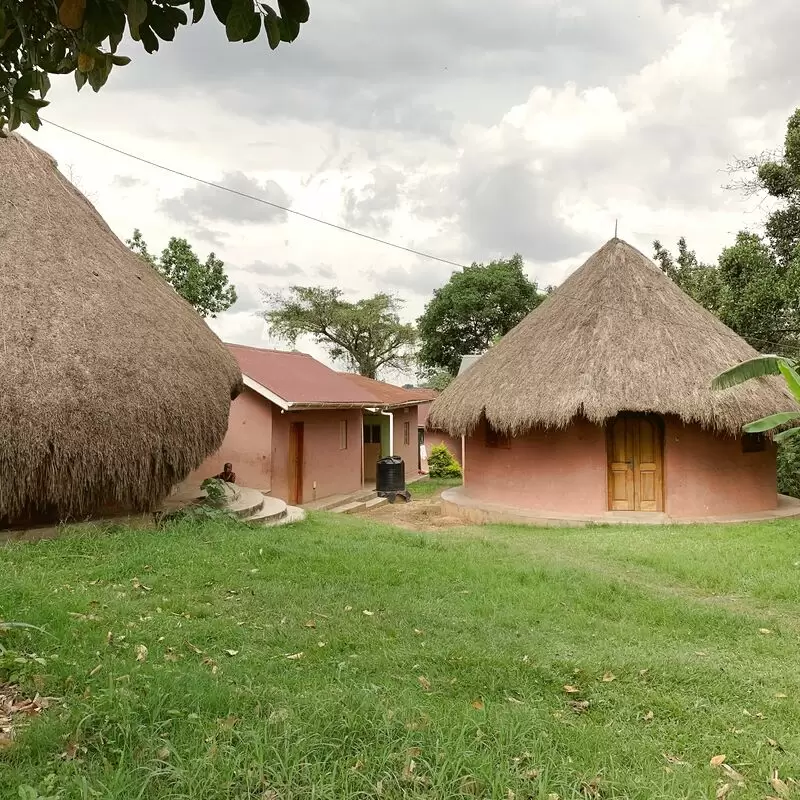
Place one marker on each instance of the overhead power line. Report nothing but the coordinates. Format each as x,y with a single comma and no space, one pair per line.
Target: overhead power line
255,198
353,232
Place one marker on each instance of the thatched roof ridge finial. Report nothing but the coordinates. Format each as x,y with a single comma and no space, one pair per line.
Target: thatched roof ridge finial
617,335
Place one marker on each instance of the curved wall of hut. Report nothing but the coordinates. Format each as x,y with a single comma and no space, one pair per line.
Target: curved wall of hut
566,471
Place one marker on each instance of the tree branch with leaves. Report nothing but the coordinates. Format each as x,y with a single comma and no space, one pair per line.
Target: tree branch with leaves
367,335
39,38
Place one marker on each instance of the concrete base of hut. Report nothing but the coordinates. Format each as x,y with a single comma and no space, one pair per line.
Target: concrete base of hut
457,503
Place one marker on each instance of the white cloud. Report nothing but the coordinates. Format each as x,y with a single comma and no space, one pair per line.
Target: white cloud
468,138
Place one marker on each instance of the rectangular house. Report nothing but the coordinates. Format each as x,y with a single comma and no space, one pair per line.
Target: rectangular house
302,431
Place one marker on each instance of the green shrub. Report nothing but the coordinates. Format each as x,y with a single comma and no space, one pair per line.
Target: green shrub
215,492
442,464
789,467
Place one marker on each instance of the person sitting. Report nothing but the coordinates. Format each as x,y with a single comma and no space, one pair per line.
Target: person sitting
227,474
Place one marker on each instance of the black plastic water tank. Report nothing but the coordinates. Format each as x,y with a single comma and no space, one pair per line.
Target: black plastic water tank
391,475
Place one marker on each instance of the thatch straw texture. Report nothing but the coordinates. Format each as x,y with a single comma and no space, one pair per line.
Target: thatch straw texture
617,335
112,388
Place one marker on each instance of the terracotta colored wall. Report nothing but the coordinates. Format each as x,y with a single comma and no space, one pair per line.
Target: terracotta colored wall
453,444
408,452
335,471
708,475
247,444
560,471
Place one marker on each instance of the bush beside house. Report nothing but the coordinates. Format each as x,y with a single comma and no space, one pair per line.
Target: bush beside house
442,463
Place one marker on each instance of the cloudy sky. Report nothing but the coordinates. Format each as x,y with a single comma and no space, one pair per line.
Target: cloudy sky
524,126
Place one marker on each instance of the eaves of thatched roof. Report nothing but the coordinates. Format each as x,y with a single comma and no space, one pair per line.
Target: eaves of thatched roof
617,335
112,388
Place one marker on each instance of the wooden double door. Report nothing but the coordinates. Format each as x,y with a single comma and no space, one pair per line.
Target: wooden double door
636,463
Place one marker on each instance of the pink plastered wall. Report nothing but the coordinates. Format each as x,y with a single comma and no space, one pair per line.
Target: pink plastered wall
709,475
554,470
705,474
409,452
247,444
335,470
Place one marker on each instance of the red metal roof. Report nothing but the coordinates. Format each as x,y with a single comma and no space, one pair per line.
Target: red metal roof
389,394
300,380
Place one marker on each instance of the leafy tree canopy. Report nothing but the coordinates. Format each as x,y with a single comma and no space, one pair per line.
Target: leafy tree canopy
39,38
203,284
367,335
474,308
749,290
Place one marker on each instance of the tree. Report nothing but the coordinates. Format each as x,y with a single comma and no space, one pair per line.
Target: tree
367,335
39,38
477,305
777,174
749,290
203,284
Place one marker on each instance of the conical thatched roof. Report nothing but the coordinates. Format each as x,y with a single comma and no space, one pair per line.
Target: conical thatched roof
617,335
112,388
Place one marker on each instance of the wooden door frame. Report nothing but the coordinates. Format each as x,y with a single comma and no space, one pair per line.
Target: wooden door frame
657,421
296,457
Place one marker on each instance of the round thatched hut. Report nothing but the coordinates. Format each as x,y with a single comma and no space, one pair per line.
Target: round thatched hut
599,402
112,387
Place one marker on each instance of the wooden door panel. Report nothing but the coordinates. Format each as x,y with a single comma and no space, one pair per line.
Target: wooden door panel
621,488
372,452
295,471
635,470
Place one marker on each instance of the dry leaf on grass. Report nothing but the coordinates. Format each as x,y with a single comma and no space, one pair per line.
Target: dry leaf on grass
137,584
163,754
95,670
571,689
579,706
675,760
194,648
408,769
477,704
141,652
231,653
295,656
209,662
733,774
368,613
591,788
781,787
348,608
414,752
649,716
608,677
764,631
716,761
310,624
777,745
424,683
780,696
723,791
418,632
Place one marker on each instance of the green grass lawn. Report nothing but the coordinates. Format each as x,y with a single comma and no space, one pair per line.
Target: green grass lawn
343,659
428,487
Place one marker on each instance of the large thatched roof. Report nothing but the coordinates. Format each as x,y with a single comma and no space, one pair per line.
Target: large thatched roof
112,388
617,335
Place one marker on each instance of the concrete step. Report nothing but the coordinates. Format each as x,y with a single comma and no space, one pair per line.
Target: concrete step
376,502
293,514
349,508
272,510
248,503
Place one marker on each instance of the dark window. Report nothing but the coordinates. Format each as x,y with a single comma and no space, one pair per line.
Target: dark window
496,439
343,434
406,433
754,443
372,434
